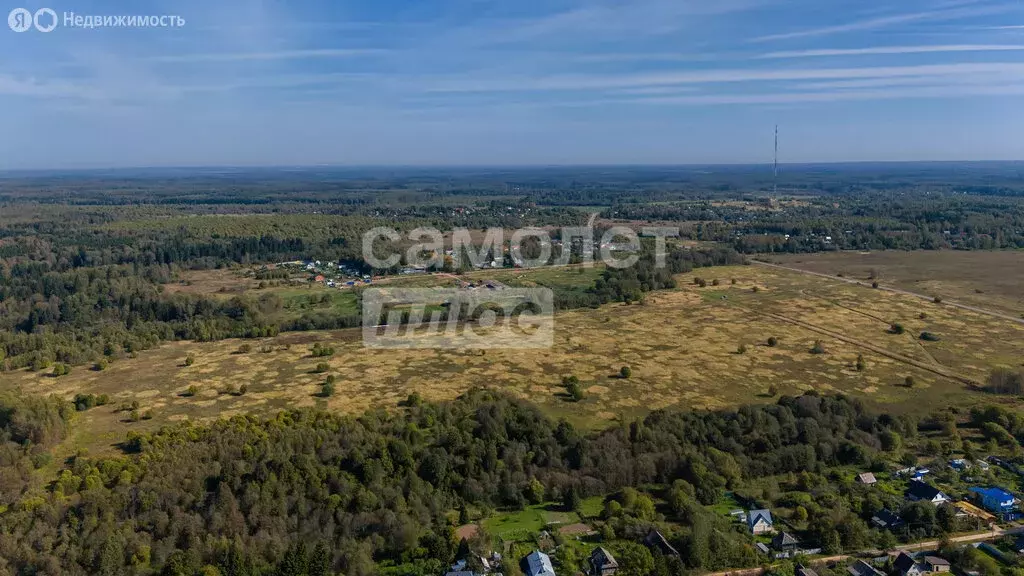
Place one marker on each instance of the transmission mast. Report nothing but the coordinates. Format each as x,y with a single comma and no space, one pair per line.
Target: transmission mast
775,165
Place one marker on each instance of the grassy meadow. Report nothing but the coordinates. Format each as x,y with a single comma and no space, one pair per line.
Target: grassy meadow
690,347
987,279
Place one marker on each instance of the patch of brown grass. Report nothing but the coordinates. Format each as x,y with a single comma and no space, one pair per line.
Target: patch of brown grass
681,346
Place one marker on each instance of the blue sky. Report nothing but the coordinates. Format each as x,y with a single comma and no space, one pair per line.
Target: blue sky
461,82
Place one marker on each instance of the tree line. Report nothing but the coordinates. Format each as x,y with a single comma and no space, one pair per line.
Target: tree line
360,493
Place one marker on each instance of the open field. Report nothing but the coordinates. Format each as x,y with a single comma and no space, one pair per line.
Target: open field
682,346
299,297
523,524
987,279
223,282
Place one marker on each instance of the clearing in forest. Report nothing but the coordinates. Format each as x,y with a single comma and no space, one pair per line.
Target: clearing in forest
690,347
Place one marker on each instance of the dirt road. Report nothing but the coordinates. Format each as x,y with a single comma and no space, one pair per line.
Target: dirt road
917,546
896,290
932,367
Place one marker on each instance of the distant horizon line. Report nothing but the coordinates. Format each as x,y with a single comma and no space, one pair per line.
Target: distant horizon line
279,167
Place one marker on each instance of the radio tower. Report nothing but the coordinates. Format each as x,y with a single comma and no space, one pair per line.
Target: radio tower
775,165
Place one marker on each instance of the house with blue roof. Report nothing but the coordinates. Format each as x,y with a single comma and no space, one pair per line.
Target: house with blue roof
959,464
539,564
997,501
760,522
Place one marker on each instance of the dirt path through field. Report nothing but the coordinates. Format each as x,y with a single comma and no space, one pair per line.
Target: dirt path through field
880,350
896,290
923,349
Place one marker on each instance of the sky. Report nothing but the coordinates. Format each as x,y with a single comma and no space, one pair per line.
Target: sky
504,82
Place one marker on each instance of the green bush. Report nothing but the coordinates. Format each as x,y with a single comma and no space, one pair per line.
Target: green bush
320,351
328,390
573,388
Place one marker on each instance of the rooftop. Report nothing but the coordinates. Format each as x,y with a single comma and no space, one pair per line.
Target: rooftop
922,491
991,492
755,514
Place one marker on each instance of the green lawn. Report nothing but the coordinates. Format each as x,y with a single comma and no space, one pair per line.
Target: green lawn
726,504
299,300
592,507
523,524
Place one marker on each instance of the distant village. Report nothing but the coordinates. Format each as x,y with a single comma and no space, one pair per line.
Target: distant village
347,275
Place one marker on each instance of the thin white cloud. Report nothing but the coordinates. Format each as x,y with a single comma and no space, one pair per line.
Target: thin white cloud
12,86
656,90
1015,27
974,79
586,20
893,50
647,56
277,55
886,21
943,91
589,82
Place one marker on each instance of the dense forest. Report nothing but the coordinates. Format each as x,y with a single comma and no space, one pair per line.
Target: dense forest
90,307
308,492
867,221
85,257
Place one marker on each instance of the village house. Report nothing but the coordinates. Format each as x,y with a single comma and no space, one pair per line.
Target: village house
997,501
922,492
866,478
936,564
801,570
862,568
905,565
785,542
538,564
760,522
602,563
887,520
656,540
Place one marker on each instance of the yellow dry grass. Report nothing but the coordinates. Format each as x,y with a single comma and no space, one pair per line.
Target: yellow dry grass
682,347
